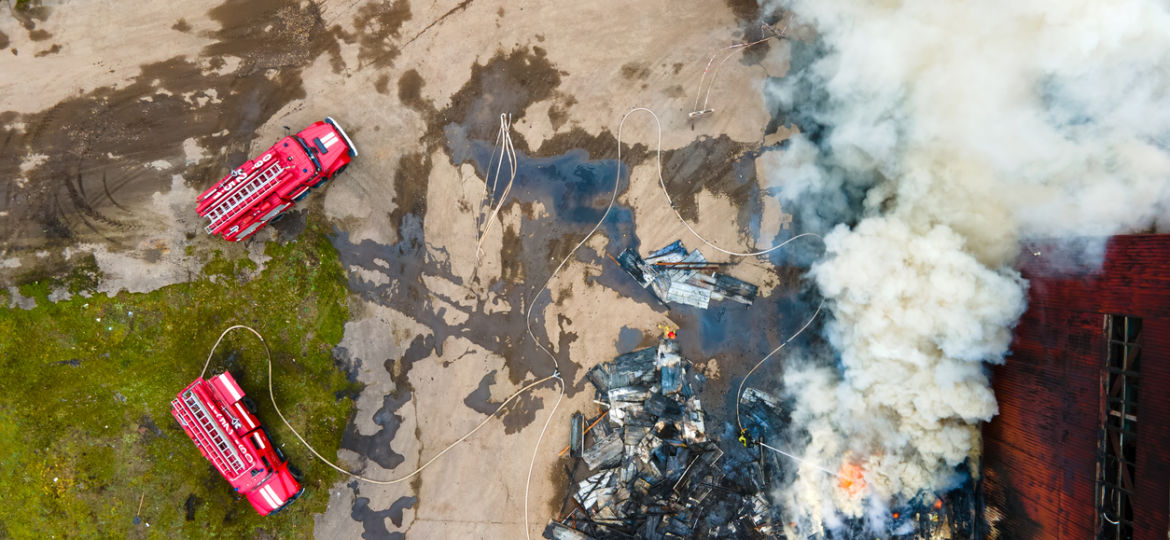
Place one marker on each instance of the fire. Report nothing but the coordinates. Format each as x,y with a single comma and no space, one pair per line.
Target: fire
938,504
852,479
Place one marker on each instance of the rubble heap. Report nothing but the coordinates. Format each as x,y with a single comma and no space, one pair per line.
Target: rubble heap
652,472
675,275
648,467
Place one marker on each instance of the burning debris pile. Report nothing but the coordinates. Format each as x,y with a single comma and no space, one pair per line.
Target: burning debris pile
648,468
675,275
653,472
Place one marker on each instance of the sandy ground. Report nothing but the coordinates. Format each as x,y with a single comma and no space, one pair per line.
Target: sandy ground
112,120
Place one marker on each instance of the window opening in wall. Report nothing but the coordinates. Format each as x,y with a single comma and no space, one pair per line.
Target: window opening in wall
1118,447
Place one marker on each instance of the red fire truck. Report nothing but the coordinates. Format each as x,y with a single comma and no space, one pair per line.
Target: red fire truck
261,189
222,423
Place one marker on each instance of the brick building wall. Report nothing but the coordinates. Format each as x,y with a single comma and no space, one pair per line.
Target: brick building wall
1044,454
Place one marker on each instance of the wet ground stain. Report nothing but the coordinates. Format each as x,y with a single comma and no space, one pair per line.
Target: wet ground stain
190,506
574,191
54,49
29,14
377,27
479,400
509,81
376,447
97,145
374,521
350,365
410,187
573,187
458,7
719,165
571,178
745,10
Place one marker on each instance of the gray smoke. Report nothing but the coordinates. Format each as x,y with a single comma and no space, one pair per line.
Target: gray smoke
936,136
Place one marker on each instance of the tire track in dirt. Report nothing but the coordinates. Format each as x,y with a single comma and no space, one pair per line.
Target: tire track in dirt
78,170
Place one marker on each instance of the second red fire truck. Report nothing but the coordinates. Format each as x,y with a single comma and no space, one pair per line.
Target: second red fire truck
218,418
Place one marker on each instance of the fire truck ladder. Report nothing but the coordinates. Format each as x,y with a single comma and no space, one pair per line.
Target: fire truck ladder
244,196
226,457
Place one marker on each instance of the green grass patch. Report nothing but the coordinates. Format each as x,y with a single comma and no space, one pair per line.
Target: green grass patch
85,423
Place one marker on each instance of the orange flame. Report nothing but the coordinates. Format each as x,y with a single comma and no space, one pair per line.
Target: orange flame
852,479
938,504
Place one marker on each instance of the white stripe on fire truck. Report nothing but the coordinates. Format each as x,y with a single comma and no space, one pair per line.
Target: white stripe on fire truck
249,230
329,139
244,414
269,496
272,494
231,388
259,440
275,211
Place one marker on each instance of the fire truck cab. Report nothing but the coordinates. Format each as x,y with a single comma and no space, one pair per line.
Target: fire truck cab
218,419
257,192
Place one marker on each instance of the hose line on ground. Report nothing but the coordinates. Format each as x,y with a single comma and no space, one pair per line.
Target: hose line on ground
354,475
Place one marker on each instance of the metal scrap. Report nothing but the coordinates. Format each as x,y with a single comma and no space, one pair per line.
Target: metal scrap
605,452
576,434
653,472
676,275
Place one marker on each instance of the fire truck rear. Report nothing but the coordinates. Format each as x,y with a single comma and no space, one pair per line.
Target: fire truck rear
257,192
218,418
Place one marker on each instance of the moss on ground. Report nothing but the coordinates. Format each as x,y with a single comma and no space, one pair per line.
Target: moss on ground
85,423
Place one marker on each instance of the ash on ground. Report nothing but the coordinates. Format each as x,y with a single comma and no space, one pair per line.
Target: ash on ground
648,468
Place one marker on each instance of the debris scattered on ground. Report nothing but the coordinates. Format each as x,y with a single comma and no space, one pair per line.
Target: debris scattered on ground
653,472
650,469
675,275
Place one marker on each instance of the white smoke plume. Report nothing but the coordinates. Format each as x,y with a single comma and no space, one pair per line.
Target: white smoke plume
967,127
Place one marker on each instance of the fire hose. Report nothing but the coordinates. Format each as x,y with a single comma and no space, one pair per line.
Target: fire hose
272,397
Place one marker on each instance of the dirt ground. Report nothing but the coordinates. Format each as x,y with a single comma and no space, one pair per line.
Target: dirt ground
113,119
